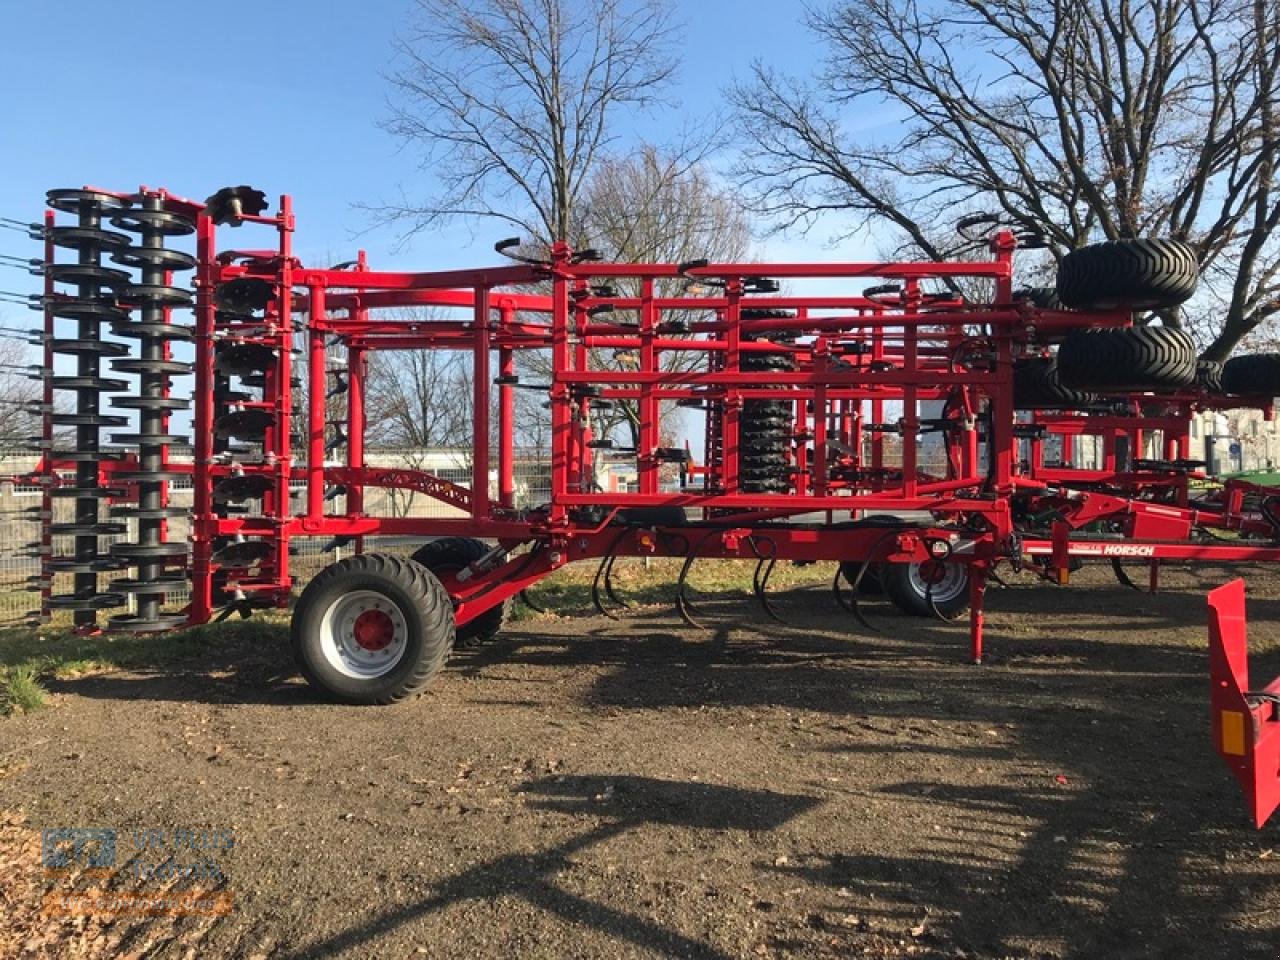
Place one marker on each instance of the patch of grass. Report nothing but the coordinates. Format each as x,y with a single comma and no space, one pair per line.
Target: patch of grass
29,655
20,690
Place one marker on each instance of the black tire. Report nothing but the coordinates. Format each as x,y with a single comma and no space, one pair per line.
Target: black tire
1046,298
1137,358
1254,374
1037,386
448,555
415,604
1129,274
1209,376
904,584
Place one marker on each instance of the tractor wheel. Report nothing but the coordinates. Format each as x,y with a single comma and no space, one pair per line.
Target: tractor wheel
1137,358
911,587
448,555
1129,274
1037,386
1209,376
372,628
1256,373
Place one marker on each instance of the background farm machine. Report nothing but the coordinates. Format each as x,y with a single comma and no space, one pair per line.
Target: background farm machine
806,401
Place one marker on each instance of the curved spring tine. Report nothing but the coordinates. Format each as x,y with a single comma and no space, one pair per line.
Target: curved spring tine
683,606
1121,575
763,584
836,591
528,602
595,589
608,585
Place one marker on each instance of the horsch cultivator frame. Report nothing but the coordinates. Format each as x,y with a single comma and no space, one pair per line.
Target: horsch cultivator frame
814,407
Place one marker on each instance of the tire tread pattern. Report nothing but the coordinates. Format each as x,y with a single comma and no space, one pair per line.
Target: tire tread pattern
1136,358
1134,274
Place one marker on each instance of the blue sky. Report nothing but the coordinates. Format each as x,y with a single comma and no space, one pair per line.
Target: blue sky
282,95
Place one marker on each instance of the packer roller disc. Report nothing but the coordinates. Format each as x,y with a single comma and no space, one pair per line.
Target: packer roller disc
150,403
72,565
164,222
160,258
159,439
94,601
165,583
148,551
157,294
143,476
87,493
88,529
83,238
102,348
101,384
158,330
74,200
140,365
88,420
135,623
154,513
87,273
81,456
85,309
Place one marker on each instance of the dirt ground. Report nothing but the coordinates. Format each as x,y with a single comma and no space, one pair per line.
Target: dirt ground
586,788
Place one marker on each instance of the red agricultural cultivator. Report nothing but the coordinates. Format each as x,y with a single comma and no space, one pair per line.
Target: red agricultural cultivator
813,412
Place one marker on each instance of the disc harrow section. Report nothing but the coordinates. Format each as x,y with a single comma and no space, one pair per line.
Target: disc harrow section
248,420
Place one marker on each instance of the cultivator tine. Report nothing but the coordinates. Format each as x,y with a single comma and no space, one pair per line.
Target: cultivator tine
608,586
1122,575
529,602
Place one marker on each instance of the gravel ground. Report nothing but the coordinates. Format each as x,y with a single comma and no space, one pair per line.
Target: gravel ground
587,788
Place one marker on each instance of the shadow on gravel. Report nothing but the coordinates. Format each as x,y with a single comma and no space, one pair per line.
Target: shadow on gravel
236,665
1111,828
632,802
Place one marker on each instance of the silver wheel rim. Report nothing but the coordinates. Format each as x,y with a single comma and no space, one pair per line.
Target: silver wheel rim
952,584
363,634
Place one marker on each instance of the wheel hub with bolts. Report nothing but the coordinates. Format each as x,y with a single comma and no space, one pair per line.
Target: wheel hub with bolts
363,634
941,581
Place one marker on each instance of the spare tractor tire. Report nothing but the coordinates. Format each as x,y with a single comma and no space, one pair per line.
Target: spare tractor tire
1209,376
1135,358
1255,373
448,555
1037,386
1130,274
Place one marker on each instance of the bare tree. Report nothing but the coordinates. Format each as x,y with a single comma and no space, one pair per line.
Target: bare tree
513,102
420,399
17,390
652,206
1079,119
